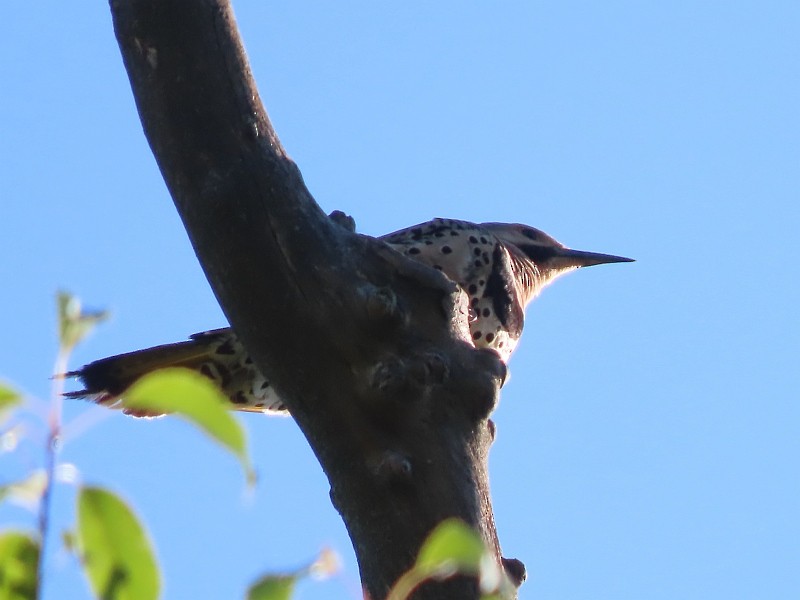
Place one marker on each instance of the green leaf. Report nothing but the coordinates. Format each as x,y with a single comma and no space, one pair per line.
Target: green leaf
280,587
9,398
27,492
453,548
114,548
19,561
73,323
272,587
452,545
188,394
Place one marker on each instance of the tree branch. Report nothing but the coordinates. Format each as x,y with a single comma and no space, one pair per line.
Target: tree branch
369,349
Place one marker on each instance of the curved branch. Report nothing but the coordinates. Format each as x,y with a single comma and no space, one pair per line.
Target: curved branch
369,349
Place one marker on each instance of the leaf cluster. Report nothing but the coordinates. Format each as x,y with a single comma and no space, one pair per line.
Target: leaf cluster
109,540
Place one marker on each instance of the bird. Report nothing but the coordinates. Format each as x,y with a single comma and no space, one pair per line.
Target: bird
501,267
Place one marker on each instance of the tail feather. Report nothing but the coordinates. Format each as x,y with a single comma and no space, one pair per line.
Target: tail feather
107,379
117,373
216,354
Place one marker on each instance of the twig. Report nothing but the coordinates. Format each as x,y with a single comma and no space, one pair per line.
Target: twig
52,444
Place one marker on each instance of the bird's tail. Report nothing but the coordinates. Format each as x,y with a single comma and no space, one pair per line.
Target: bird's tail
216,354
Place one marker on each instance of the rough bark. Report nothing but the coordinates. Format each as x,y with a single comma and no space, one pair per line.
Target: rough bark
369,349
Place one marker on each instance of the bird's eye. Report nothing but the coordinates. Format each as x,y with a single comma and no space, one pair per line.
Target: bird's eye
529,233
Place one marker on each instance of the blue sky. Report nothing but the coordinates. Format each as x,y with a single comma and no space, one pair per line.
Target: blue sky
648,438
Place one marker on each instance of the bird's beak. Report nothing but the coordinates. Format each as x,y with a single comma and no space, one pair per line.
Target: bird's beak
566,257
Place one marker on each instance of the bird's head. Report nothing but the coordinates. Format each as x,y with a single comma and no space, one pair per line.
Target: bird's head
542,258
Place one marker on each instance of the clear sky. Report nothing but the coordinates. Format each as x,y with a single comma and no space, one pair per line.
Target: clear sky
648,438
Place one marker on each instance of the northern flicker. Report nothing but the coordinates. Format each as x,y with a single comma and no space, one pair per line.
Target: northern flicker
501,266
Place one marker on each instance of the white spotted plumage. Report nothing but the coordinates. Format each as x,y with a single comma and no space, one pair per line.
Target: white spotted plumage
501,267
